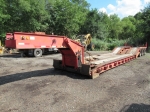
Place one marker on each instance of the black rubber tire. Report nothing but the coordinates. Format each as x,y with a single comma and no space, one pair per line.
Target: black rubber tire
26,53
55,51
144,52
140,54
38,52
22,54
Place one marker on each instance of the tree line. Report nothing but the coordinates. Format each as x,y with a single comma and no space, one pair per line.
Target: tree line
74,17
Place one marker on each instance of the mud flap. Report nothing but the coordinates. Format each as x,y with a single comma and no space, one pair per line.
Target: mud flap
57,64
85,69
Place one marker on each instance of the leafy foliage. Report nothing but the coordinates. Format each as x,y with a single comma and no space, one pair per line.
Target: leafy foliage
73,17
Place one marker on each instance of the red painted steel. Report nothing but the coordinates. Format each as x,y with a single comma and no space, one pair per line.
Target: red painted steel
73,53
102,68
19,40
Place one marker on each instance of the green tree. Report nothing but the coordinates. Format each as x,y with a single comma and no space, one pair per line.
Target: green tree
67,16
128,28
26,15
145,16
95,24
139,33
3,18
114,26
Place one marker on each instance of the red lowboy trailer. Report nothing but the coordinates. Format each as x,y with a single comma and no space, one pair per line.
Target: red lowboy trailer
73,58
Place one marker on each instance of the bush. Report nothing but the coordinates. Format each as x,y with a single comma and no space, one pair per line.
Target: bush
108,44
114,43
99,45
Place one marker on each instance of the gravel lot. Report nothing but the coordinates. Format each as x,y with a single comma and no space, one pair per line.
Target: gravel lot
32,85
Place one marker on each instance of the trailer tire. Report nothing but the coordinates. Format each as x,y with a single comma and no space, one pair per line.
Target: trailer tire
140,54
22,54
55,51
26,53
144,52
38,52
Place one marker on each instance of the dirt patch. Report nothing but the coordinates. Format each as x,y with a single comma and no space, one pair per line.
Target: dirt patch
32,85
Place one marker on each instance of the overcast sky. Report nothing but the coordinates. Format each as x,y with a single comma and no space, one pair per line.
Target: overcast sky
122,8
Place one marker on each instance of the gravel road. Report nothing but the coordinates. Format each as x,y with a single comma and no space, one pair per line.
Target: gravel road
32,85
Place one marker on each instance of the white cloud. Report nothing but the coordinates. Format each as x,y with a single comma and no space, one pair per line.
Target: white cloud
146,1
111,7
126,7
103,10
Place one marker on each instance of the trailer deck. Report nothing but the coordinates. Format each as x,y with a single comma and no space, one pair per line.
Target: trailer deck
120,55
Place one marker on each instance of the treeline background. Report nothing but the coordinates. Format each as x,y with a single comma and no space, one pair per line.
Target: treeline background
74,17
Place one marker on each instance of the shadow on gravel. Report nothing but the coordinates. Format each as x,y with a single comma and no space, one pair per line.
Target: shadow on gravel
18,55
14,55
38,73
136,108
